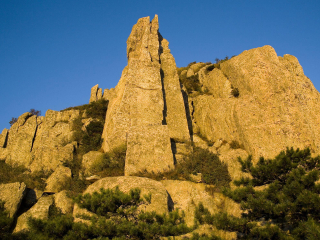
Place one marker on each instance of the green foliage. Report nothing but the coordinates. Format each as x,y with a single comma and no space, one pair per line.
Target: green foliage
199,161
192,83
236,145
10,174
235,92
112,164
13,120
35,112
96,110
116,218
5,222
288,207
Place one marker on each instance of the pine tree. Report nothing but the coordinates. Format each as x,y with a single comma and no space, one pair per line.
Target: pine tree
287,207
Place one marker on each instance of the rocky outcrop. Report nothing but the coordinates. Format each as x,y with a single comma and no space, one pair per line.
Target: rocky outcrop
96,93
159,195
63,202
39,211
3,138
148,96
60,179
277,107
40,143
12,194
89,160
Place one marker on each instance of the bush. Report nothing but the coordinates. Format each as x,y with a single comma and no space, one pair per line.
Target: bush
202,161
13,120
5,222
236,145
116,218
235,92
191,83
10,174
112,164
288,206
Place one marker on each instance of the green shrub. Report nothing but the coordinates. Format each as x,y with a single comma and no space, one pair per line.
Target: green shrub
236,145
5,222
96,110
235,92
116,218
290,199
112,164
192,83
202,161
10,174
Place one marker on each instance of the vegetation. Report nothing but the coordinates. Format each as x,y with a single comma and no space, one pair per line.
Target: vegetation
287,207
116,217
10,174
235,92
5,222
212,170
32,111
236,145
112,163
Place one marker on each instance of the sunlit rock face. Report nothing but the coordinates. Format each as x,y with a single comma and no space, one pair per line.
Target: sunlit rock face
147,111
278,105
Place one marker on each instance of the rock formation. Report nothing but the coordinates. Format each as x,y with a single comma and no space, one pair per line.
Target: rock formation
255,103
147,111
41,143
278,106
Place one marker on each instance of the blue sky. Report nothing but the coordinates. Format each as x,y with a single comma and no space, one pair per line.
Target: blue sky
53,52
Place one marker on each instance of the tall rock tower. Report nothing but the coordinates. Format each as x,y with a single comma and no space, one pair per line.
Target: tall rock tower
146,109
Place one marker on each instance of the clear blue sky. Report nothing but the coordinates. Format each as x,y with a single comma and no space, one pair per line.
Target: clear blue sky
53,52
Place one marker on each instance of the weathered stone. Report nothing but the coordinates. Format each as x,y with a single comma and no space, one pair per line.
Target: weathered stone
58,180
190,72
148,148
175,112
3,153
12,194
159,195
39,211
277,107
197,66
141,101
63,202
20,140
3,138
89,160
96,93
215,83
187,195
53,144
148,97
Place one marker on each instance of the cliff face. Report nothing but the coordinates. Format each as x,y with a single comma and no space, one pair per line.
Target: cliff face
277,107
254,103
147,112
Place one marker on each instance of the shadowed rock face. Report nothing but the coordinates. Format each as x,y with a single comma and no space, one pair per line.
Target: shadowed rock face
278,106
148,96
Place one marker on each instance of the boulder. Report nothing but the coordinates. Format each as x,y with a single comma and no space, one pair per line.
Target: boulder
159,195
12,194
40,211
63,202
89,160
60,179
190,72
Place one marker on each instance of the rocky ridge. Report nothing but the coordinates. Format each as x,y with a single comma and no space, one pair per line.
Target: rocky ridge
155,114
